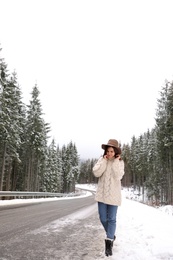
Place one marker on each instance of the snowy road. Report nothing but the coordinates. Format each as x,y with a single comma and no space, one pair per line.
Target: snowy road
19,236
143,233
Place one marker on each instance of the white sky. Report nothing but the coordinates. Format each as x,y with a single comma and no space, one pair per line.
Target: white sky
144,233
99,65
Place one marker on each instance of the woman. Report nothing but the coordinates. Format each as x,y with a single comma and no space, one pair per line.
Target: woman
110,170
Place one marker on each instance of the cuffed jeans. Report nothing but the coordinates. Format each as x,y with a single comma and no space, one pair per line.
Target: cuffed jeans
107,214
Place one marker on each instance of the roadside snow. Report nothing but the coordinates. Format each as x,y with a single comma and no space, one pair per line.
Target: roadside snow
21,201
143,232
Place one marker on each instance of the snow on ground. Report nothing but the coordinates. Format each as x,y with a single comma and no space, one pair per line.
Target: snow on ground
21,201
143,232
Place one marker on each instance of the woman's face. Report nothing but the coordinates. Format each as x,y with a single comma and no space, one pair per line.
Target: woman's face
110,153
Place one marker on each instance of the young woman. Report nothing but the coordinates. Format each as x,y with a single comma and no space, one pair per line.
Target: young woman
110,170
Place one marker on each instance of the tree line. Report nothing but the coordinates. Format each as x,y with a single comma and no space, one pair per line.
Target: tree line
149,158
28,163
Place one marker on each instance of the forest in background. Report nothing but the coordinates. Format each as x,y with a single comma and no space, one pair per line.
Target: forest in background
28,163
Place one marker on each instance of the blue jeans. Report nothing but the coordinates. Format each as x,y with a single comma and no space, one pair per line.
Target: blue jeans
107,214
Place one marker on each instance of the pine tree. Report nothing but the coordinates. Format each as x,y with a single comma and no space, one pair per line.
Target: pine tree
17,119
4,114
127,178
153,181
11,129
165,140
52,178
35,143
86,171
70,167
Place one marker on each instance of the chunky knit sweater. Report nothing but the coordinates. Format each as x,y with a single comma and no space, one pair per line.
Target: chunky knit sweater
110,173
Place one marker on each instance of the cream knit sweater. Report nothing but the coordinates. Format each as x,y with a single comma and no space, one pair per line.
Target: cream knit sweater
110,173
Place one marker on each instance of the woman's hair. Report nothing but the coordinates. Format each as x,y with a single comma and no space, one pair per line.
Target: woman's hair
115,150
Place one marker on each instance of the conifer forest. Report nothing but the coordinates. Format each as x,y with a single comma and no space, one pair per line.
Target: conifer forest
30,161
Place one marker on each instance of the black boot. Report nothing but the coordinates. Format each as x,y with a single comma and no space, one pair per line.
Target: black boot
108,247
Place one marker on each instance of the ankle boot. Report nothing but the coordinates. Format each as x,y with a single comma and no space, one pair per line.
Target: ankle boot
108,247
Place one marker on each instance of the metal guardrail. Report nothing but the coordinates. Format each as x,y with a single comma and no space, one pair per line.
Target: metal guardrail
85,189
20,194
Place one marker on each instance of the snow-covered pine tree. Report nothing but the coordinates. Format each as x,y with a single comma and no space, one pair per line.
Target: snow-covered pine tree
52,178
165,141
74,158
70,167
17,121
35,143
10,127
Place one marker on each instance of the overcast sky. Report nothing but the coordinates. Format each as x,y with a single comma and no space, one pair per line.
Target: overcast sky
99,65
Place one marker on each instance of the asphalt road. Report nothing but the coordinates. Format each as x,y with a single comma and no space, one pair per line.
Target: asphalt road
20,237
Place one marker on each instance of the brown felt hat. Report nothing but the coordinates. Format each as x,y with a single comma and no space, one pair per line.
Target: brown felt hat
112,143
